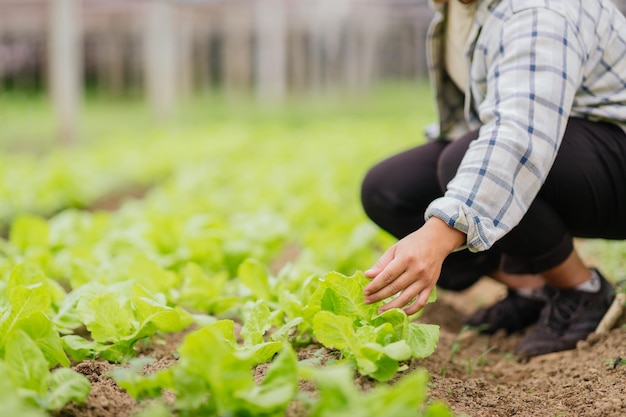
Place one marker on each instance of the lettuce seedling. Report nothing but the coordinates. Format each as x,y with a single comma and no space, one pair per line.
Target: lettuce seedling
338,396
213,376
377,343
118,316
25,308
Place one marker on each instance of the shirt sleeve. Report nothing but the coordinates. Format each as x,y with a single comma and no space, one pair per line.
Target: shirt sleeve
533,70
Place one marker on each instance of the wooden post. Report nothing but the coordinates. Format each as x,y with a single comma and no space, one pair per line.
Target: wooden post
236,49
271,62
185,55
134,54
1,63
160,56
114,55
202,57
316,67
65,66
108,54
368,29
331,17
298,57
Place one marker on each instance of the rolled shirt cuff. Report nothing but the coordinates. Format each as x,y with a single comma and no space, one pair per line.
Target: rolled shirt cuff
480,230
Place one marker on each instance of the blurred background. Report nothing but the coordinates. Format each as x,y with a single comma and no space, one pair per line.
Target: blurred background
166,51
169,50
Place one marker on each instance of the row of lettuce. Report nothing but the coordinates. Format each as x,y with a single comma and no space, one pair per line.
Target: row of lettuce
236,240
47,181
213,374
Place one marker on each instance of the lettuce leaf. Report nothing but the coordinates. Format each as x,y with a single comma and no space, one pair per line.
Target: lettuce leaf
338,396
213,376
377,343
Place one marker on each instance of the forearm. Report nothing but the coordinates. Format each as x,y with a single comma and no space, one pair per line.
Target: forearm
445,239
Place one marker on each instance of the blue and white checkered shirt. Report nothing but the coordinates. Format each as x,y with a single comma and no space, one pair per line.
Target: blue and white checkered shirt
533,64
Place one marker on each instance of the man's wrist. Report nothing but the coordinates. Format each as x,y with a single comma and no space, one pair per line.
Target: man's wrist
448,238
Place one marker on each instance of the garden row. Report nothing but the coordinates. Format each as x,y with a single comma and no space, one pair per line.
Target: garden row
250,235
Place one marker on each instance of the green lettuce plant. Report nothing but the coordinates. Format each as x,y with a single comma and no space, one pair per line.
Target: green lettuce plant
30,345
338,396
214,376
377,343
117,317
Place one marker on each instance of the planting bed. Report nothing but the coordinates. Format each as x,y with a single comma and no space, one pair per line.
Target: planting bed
474,374
224,253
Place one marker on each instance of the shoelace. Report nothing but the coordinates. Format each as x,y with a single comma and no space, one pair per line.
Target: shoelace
560,310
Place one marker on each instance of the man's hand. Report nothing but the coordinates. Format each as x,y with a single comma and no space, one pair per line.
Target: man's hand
411,267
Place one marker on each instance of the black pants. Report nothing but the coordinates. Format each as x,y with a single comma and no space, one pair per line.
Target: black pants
584,196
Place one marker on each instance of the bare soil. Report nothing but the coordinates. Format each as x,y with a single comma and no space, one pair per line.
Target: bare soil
114,200
482,378
476,375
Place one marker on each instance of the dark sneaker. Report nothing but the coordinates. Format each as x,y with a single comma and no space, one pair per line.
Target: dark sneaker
568,316
513,313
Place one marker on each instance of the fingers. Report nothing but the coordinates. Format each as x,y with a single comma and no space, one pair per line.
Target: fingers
409,269
419,303
404,298
382,262
386,283
413,299
412,287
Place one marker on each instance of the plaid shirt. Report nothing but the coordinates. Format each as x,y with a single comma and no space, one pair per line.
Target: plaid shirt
533,64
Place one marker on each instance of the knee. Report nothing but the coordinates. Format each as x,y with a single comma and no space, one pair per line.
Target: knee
373,189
